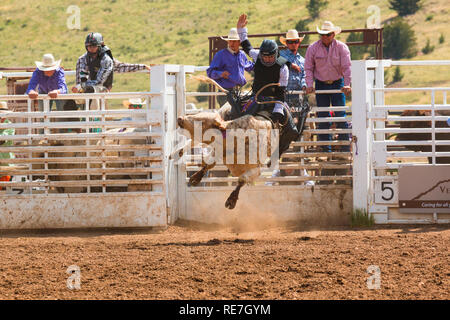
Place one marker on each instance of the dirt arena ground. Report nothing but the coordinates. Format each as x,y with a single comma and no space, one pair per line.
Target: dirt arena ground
189,261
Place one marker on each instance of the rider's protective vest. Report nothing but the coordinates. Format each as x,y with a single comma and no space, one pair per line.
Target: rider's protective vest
265,75
94,66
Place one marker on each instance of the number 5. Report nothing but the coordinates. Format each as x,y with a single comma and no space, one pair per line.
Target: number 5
384,187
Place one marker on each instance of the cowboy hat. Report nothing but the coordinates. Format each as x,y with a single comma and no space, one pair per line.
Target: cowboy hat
328,27
291,35
48,63
134,103
232,35
4,108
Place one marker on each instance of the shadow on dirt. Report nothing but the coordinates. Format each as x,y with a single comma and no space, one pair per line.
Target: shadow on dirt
212,242
79,232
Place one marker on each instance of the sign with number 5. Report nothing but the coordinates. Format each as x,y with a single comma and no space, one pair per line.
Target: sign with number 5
386,191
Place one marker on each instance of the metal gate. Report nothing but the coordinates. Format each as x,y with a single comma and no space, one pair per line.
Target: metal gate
100,165
318,191
424,142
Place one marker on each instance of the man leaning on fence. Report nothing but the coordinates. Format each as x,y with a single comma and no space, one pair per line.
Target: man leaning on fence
5,143
328,63
228,65
48,78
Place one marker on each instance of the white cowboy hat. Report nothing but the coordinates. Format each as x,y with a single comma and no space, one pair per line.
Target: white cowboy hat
328,27
4,108
48,63
232,35
134,102
291,35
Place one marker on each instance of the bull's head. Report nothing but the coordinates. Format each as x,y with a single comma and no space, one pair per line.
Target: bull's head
208,120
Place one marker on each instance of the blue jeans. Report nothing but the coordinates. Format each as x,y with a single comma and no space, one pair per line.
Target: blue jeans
335,99
59,105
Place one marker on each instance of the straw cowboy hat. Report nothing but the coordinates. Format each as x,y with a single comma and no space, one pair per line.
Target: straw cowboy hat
328,27
4,109
48,63
232,35
134,103
291,35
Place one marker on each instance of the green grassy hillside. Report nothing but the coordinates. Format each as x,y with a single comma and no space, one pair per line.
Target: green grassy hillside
177,31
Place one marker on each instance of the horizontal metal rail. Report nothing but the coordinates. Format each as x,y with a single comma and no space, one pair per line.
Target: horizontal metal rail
83,96
409,89
411,130
280,179
80,148
283,166
416,154
99,159
84,136
413,143
70,172
80,183
320,143
75,124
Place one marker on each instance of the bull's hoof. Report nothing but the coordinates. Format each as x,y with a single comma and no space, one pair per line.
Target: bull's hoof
231,201
196,178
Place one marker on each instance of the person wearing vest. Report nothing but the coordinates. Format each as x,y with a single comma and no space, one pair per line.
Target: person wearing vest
95,67
270,68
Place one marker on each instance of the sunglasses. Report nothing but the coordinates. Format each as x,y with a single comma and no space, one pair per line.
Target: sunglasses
327,35
292,41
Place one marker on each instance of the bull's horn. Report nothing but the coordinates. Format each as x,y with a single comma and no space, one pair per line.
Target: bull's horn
207,79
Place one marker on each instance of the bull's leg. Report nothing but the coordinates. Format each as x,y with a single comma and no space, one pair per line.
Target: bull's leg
198,176
247,177
233,198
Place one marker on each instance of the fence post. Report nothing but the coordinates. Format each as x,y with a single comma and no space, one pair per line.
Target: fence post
158,84
361,134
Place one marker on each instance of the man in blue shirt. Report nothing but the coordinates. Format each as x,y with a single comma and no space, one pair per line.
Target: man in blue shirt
228,65
297,80
48,78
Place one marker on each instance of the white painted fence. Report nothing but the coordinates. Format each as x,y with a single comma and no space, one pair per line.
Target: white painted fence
84,168
89,165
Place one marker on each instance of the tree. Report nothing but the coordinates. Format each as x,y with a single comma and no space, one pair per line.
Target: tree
202,87
315,6
399,40
398,76
302,25
428,48
405,7
357,52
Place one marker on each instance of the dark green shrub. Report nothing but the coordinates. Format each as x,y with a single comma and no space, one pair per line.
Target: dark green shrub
428,48
399,40
405,7
315,6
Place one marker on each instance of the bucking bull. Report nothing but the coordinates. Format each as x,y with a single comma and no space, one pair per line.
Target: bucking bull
256,132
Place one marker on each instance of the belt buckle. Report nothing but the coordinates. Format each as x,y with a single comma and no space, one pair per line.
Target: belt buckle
329,82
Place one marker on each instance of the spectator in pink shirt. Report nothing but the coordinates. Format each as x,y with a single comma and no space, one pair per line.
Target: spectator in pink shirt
328,64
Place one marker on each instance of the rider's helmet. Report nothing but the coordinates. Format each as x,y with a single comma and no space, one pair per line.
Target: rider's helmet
268,49
93,39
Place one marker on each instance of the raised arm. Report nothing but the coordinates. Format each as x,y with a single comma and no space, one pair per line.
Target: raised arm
245,43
